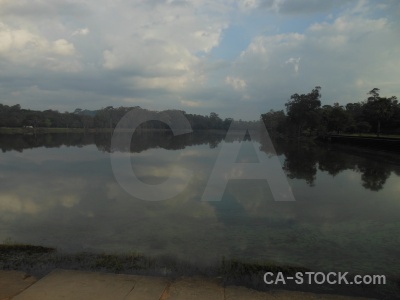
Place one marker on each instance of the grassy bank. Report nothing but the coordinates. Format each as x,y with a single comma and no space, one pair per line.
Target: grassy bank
372,135
9,130
39,261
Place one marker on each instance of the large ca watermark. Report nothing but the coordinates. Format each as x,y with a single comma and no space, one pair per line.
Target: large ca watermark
225,167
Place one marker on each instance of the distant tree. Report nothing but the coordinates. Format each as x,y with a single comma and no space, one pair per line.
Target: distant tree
274,121
303,110
227,122
15,108
47,123
107,117
356,115
101,119
335,118
215,121
395,120
379,109
363,127
355,110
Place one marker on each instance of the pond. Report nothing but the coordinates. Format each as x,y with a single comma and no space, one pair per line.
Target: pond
60,190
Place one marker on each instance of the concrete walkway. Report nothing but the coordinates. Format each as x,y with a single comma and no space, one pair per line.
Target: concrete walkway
13,283
77,285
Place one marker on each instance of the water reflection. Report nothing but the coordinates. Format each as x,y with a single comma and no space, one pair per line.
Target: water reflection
301,163
302,160
59,190
141,140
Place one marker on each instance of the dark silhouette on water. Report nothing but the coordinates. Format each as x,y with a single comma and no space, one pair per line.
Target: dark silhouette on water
302,160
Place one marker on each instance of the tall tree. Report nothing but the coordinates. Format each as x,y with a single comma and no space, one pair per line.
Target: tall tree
274,121
379,109
335,118
303,110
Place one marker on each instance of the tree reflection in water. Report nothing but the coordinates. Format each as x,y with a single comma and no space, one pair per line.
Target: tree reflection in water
301,160
304,159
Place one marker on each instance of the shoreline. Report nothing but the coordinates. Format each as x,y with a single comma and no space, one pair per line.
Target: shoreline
42,130
18,130
387,142
40,261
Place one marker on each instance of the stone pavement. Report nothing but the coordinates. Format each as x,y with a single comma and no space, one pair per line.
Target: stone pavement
77,285
13,283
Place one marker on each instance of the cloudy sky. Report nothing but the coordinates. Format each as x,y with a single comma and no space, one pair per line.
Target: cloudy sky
195,55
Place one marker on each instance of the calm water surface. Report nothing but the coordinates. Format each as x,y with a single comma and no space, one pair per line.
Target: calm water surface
59,190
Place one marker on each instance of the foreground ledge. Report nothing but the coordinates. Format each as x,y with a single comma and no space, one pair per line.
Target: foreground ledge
13,283
77,285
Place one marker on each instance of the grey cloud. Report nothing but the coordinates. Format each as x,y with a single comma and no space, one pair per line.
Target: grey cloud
149,46
336,56
43,9
303,7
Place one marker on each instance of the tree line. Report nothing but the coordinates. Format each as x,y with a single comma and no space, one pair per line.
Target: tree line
108,117
305,115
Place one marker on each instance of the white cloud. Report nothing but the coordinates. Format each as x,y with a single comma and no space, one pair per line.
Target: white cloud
62,47
257,46
157,53
360,82
297,7
23,47
41,9
361,7
165,43
167,83
342,56
248,4
81,31
237,83
14,41
295,62
190,103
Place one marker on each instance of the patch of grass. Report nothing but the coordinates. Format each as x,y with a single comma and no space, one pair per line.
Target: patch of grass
119,263
25,249
372,135
234,267
109,262
8,130
39,261
251,274
19,130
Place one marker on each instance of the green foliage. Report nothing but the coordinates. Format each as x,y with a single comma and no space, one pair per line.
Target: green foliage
363,127
274,121
379,109
303,110
335,118
306,116
14,248
14,116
